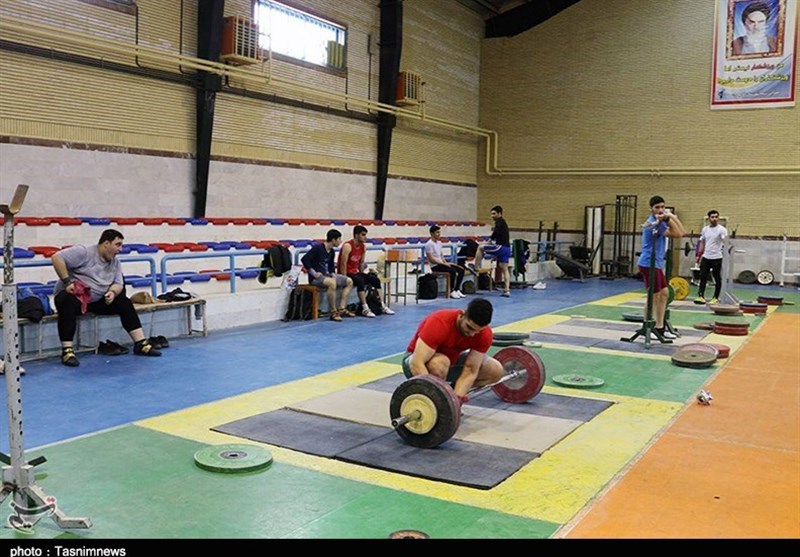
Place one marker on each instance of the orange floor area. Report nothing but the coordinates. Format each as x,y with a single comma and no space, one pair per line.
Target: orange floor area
728,470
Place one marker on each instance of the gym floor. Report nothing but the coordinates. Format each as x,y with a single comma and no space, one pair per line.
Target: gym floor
120,432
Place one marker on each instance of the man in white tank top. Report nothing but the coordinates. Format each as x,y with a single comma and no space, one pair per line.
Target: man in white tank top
709,255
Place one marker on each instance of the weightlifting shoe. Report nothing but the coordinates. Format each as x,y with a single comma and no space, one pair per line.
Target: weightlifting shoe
366,312
713,301
699,300
144,348
68,358
387,310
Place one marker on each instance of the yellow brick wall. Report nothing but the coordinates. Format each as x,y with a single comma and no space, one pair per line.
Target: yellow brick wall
626,84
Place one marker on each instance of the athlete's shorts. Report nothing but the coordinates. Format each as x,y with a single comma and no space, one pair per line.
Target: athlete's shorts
452,374
660,279
501,253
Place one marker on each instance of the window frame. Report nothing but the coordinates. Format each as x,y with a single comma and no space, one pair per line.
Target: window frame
342,71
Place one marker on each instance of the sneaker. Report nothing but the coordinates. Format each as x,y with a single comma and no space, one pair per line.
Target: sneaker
456,294
387,310
506,294
667,334
699,300
713,301
366,312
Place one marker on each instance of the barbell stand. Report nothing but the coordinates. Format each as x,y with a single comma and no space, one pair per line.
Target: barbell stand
30,502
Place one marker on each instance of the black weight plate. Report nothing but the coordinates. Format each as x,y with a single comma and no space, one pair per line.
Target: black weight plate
770,300
510,336
444,400
746,277
635,317
524,388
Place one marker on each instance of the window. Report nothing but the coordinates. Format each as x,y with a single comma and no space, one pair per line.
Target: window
299,35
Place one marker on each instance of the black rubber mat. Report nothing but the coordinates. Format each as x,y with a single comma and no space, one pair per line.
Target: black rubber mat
457,462
307,433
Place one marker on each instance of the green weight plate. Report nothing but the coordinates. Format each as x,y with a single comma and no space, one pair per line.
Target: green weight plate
573,380
233,458
511,336
636,317
671,294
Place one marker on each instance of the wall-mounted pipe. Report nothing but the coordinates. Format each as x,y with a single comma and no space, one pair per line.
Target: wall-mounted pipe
31,29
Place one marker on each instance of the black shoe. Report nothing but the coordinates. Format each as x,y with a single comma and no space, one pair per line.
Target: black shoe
68,358
159,342
144,348
109,348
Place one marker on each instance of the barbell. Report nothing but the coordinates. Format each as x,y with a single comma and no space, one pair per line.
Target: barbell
425,410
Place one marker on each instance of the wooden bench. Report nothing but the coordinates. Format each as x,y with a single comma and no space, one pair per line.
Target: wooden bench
198,305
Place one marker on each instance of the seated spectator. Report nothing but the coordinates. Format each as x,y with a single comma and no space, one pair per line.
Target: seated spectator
319,262
433,251
352,262
90,279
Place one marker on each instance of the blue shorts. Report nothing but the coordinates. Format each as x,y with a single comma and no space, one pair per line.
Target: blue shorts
501,253
452,374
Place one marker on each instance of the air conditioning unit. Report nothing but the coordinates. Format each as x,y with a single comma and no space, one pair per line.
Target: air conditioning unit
409,89
239,41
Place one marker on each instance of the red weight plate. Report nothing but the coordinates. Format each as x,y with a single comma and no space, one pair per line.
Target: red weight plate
723,350
770,300
521,389
730,331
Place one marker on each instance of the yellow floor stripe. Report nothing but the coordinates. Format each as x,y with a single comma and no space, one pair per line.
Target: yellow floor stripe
538,490
619,299
528,325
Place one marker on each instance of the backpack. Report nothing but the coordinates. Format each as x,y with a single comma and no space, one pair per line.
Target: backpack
279,259
484,281
32,306
300,305
373,301
427,287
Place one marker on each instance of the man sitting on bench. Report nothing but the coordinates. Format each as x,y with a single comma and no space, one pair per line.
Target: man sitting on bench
90,279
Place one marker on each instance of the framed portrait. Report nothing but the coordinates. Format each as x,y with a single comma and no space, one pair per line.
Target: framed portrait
755,28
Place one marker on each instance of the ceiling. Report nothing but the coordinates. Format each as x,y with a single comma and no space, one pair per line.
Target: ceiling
490,8
506,18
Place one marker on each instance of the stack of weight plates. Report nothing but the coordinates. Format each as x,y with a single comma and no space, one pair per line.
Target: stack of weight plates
725,309
753,307
770,300
695,356
731,326
509,339
723,350
704,326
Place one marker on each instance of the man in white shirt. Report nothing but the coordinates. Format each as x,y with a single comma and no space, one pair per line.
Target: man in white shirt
709,255
433,252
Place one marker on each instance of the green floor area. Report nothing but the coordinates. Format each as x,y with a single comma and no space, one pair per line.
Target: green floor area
144,484
623,375
677,318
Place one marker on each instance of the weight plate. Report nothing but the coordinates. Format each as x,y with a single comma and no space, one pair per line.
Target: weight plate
636,317
670,294
510,336
524,388
770,300
724,309
731,331
572,380
731,322
408,535
681,286
442,399
233,458
701,347
510,342
693,358
765,277
723,350
746,277
704,326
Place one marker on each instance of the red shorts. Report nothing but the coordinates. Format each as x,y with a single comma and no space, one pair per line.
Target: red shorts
660,279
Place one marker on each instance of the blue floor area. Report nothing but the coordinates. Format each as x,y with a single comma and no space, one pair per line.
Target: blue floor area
107,391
